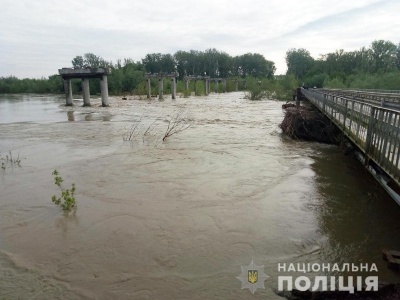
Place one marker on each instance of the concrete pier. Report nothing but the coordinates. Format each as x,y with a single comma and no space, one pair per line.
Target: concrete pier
86,92
148,88
195,87
104,91
160,77
216,86
237,85
224,86
68,92
173,87
204,79
160,89
85,74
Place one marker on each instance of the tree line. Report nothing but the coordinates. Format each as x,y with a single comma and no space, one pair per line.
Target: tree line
374,67
127,75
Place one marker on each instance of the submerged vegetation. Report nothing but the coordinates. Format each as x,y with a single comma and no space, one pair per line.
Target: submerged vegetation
130,133
67,199
177,123
9,160
256,90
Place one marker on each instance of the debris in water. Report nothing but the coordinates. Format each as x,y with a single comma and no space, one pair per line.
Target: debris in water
303,123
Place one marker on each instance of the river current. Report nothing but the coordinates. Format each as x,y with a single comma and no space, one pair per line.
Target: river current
176,219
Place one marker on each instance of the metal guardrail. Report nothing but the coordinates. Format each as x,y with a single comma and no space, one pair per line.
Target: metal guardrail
374,129
378,91
390,99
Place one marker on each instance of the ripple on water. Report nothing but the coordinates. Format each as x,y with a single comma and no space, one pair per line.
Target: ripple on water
176,219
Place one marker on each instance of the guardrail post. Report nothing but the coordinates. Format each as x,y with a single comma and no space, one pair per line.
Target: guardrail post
346,102
370,128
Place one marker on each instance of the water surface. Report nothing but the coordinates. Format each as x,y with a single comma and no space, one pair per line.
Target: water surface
175,219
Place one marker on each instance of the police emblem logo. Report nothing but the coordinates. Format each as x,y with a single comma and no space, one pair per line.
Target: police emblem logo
252,277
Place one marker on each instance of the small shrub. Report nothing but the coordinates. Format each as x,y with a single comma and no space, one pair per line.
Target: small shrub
130,133
10,160
176,124
67,199
255,91
187,93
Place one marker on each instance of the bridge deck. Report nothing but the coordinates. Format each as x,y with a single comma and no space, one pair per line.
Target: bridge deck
373,129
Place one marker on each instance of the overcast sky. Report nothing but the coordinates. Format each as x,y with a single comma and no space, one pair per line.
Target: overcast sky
39,37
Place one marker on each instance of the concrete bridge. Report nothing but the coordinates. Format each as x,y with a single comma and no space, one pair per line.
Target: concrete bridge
371,121
206,79
160,77
85,74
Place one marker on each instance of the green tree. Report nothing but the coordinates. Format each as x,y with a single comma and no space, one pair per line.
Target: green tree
253,64
384,55
157,62
78,62
182,60
299,62
398,57
89,60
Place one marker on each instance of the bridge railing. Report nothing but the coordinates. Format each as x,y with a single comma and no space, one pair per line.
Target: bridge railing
390,99
375,130
378,91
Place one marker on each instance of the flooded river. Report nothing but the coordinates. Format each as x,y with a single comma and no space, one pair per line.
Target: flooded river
175,219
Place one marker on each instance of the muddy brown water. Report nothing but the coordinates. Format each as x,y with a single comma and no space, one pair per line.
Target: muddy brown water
176,219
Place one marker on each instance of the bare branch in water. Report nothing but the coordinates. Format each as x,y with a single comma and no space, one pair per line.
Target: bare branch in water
130,133
176,124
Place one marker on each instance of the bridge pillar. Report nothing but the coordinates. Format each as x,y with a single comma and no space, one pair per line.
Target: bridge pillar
104,91
237,85
173,87
160,88
68,92
216,86
86,91
206,87
224,86
187,84
148,88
